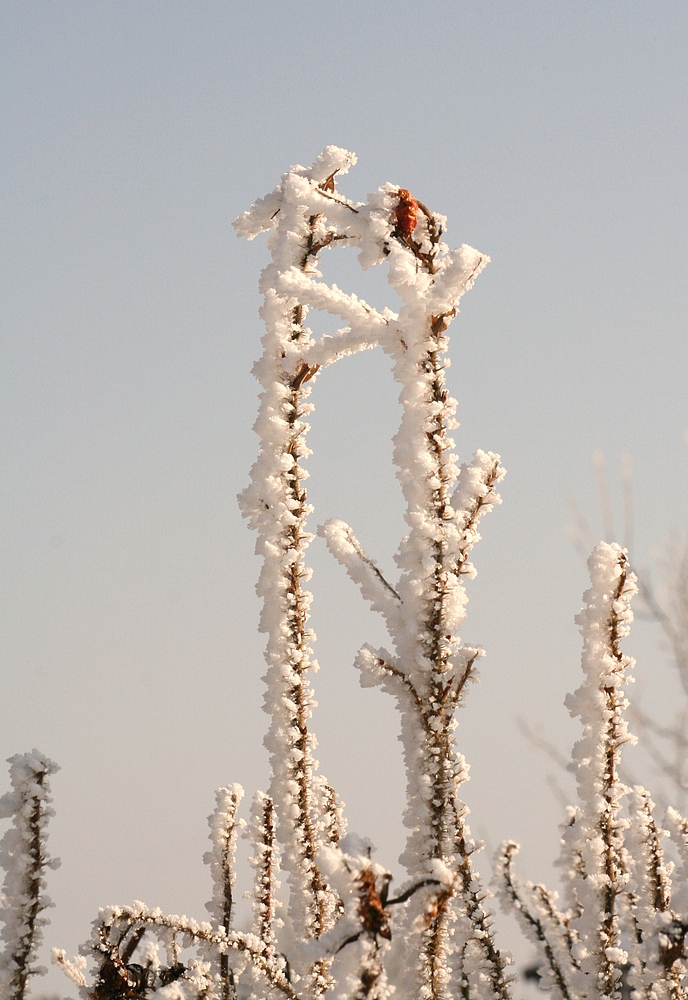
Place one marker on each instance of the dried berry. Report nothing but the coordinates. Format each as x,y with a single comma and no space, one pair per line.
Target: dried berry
406,213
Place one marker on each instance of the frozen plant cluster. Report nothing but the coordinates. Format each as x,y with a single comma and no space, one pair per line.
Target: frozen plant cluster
338,929
624,923
339,901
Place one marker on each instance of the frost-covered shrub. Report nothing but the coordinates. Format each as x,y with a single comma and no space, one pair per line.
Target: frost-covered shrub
341,930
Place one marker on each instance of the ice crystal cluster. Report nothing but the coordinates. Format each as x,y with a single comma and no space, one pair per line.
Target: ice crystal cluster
335,927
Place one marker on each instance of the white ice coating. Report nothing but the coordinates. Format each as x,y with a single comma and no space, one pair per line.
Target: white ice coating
658,926
343,934
620,918
598,834
177,933
429,667
24,858
347,934
306,216
359,942
540,920
347,550
224,831
265,860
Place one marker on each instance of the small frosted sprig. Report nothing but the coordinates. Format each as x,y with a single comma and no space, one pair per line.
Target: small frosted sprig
266,863
224,829
25,859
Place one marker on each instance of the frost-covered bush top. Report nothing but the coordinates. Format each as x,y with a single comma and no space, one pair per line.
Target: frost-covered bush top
326,920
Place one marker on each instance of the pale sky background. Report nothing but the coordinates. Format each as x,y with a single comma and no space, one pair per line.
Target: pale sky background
553,136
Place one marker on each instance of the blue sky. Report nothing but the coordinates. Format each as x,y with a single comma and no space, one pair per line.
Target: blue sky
553,136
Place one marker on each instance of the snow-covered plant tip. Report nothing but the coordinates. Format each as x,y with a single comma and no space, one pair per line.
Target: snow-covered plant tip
339,929
24,858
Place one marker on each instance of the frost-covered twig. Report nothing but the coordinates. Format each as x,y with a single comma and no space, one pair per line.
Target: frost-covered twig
423,612
116,922
344,935
656,944
24,857
265,861
347,550
224,828
430,667
277,506
540,921
600,703
359,942
619,919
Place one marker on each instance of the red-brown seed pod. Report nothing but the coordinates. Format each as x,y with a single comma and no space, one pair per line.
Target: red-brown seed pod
406,213
373,915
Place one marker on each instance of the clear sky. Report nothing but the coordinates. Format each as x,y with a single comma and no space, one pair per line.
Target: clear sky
553,136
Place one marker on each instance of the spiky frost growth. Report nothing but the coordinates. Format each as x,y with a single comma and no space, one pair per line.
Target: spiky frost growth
266,862
119,931
224,829
437,933
434,940
656,931
619,919
430,667
596,860
598,835
24,857
306,216
540,920
446,924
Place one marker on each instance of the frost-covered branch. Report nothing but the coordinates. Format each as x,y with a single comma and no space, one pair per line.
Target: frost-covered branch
600,703
474,496
657,941
310,218
115,973
621,920
359,942
265,861
430,667
25,859
224,829
343,933
541,922
347,550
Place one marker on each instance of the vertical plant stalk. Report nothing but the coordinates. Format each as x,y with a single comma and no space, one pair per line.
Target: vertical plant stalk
346,933
306,215
548,929
431,667
600,702
25,859
432,662
277,505
620,922
656,945
265,861
596,862
224,828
